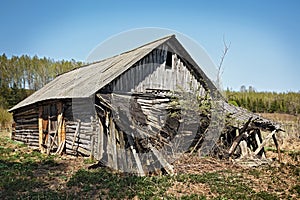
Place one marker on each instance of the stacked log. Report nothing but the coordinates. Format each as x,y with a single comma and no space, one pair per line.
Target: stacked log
78,137
26,127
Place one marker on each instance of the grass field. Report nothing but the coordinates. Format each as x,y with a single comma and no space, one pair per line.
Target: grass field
27,174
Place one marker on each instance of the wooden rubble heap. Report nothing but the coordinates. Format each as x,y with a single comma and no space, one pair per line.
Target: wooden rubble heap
140,133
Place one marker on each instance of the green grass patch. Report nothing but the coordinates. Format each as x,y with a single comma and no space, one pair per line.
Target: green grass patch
18,165
120,186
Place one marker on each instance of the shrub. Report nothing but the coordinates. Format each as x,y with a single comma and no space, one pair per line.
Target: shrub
5,118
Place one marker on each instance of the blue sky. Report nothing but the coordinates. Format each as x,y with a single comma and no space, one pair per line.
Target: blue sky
264,35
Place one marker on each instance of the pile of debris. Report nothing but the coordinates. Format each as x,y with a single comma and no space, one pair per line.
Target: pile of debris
159,127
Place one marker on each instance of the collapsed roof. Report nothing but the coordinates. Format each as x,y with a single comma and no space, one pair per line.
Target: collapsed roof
85,81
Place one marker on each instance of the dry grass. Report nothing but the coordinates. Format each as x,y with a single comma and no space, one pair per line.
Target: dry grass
290,123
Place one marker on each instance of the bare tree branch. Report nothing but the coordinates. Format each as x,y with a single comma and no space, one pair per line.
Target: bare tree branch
220,66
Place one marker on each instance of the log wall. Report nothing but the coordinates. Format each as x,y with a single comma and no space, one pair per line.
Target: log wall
26,126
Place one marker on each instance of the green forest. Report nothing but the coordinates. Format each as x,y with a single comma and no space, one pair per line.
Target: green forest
20,76
265,102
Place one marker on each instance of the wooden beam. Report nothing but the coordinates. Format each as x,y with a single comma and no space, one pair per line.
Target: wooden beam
244,128
236,141
61,148
277,147
42,149
79,149
108,141
259,141
100,140
92,148
136,157
59,119
49,138
167,166
122,152
264,143
77,132
113,143
244,149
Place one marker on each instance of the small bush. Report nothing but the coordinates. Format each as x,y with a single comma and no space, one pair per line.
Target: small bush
5,118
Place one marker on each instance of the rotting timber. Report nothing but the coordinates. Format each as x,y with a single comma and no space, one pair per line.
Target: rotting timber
133,113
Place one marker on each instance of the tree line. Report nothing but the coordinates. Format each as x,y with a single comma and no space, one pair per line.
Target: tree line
265,102
21,76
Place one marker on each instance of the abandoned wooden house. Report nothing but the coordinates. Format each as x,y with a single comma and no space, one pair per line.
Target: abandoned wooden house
121,111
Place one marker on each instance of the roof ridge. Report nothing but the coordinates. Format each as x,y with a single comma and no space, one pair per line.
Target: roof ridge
163,38
130,50
122,53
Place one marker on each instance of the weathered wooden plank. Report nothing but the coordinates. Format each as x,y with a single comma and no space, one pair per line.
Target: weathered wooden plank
59,107
277,147
25,139
244,149
136,157
49,138
41,129
92,155
61,148
28,131
100,135
109,145
264,143
113,144
167,166
80,140
27,121
26,112
122,160
119,155
236,141
26,126
77,132
78,149
70,136
258,142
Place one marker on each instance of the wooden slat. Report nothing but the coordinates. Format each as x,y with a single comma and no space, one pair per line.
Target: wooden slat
77,132
100,140
92,155
277,147
136,157
167,166
60,122
78,149
236,141
113,144
41,129
258,142
264,143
